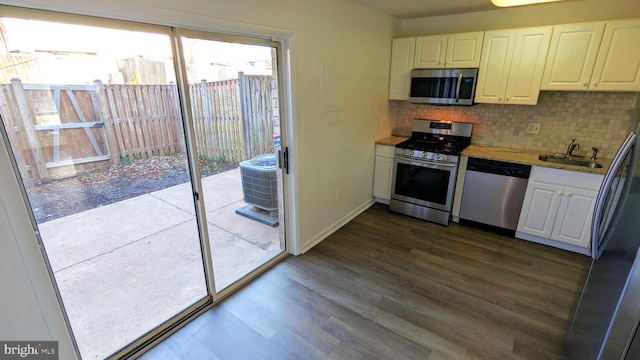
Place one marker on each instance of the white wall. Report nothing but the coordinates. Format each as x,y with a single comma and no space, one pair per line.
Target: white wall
524,16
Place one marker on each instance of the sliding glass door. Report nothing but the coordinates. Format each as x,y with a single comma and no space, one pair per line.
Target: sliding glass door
154,181
91,114
234,97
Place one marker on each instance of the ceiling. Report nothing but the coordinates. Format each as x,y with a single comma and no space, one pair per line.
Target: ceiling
410,9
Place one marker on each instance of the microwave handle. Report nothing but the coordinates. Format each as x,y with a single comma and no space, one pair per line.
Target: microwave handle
458,87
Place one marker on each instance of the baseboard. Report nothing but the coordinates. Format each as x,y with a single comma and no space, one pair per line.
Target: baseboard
337,225
557,244
382,201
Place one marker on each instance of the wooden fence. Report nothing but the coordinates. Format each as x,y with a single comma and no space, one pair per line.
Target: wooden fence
57,129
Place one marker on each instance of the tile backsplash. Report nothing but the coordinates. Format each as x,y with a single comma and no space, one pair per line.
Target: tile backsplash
594,119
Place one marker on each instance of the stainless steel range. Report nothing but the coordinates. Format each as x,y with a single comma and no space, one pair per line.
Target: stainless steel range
425,169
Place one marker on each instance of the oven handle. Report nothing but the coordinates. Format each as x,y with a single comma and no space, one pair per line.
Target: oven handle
431,164
458,87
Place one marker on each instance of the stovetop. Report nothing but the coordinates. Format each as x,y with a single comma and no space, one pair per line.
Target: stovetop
436,140
443,144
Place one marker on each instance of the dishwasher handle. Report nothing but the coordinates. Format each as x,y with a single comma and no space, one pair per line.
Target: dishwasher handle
499,168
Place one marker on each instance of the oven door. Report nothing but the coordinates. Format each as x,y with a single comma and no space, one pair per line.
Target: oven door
423,183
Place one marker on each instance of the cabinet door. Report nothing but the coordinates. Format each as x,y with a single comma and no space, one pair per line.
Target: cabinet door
495,62
617,67
527,65
463,50
539,209
430,52
572,56
382,177
573,222
401,64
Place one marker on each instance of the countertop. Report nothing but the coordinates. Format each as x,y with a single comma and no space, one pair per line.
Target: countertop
529,157
391,140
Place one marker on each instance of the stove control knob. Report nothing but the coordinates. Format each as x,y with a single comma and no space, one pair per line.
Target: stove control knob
437,156
446,158
425,154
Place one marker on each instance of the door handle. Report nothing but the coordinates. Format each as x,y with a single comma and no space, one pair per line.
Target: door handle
284,159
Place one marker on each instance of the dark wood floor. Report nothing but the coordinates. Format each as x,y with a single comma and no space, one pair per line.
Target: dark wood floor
386,286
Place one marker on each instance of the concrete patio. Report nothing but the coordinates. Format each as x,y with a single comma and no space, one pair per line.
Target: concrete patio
126,267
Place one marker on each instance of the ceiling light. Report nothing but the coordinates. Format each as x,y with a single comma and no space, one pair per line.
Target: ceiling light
506,3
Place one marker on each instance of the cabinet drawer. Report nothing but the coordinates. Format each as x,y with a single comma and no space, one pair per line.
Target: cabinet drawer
385,150
566,177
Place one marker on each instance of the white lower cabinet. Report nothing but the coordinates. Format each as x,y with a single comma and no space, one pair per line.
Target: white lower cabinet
383,173
558,207
539,209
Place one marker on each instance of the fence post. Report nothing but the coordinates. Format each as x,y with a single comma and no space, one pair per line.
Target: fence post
26,120
14,139
177,117
207,136
105,117
245,96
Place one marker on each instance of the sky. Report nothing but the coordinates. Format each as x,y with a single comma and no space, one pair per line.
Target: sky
57,39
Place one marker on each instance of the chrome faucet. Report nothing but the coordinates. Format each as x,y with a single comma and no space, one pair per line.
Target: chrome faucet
595,152
572,147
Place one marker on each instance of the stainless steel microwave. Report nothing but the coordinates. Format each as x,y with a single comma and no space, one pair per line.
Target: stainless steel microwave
443,86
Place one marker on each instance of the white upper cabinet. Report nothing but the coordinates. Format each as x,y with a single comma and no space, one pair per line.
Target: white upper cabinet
617,67
430,52
464,50
512,66
448,51
572,56
497,53
599,56
402,51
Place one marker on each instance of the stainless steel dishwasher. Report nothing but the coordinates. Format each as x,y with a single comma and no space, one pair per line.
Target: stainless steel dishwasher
493,192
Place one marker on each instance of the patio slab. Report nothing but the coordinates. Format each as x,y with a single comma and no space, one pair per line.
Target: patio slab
233,256
126,267
261,235
82,236
218,191
128,291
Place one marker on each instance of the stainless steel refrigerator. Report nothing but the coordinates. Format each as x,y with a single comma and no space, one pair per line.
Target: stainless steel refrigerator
608,312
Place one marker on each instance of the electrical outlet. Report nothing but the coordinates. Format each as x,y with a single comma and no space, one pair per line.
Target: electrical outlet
533,128
338,194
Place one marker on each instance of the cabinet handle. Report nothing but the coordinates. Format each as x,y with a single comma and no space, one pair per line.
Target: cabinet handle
585,84
560,194
507,98
500,98
595,84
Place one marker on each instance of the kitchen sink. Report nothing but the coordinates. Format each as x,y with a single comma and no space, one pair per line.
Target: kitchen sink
569,160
